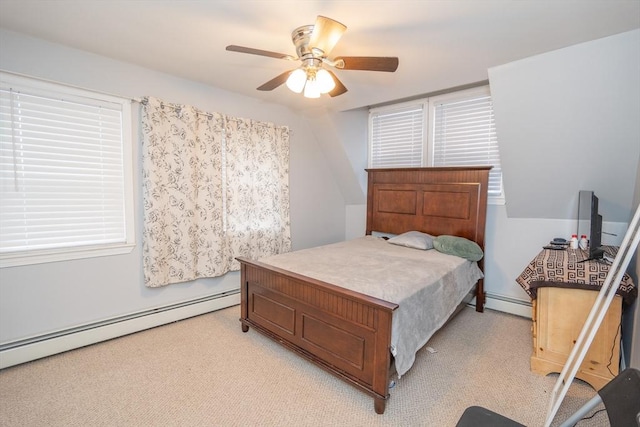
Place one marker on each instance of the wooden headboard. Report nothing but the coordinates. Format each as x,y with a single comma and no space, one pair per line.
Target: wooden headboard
436,200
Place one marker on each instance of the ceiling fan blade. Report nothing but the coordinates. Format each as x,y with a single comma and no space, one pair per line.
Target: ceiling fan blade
242,49
326,33
339,89
367,63
275,82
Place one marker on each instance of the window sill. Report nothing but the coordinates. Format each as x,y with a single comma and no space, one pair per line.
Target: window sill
67,254
496,200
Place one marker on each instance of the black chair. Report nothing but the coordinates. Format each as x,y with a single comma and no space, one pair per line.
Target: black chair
621,398
476,416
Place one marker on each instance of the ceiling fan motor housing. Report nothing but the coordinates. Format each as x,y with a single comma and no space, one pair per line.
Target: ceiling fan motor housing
301,37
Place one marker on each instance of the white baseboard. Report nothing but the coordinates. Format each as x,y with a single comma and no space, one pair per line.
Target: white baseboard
20,352
27,350
508,305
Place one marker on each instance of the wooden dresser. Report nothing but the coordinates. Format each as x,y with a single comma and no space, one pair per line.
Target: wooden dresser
558,316
563,285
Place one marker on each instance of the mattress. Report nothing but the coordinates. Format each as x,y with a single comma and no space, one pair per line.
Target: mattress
427,285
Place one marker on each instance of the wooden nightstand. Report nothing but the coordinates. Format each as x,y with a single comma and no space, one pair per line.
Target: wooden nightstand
563,285
558,316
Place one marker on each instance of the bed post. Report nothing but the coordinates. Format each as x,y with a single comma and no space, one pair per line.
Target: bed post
243,297
480,296
370,182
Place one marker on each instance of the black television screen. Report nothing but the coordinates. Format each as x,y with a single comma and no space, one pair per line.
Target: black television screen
590,222
595,246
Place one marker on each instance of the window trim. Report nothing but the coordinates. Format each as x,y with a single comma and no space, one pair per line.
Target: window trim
429,106
14,259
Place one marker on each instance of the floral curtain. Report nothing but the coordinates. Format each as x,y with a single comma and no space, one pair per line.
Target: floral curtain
214,188
257,184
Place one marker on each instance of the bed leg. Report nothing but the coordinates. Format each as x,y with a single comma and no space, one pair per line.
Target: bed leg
379,404
480,297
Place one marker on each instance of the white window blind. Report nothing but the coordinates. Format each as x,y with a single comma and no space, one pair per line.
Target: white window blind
62,178
464,134
397,137
459,130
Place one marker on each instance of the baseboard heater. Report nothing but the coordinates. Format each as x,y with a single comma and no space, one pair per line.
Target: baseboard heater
508,305
26,350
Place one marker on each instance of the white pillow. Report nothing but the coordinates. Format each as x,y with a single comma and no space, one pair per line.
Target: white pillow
413,239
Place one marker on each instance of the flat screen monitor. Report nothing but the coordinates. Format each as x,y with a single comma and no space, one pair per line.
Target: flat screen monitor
590,222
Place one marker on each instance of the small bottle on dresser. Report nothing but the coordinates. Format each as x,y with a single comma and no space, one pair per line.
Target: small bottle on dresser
574,241
583,243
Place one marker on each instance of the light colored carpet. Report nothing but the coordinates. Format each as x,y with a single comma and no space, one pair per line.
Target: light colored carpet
205,372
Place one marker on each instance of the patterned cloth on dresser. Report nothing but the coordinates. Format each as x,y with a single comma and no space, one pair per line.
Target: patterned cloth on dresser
570,268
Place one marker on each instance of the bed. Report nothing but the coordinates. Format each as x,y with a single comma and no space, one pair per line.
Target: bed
335,320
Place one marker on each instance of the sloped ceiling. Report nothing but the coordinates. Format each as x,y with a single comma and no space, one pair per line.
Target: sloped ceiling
440,44
567,121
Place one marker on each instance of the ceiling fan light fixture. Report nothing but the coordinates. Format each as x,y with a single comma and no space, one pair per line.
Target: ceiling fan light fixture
297,80
325,81
312,89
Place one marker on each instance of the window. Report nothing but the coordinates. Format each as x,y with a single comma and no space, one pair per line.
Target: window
397,137
455,129
65,173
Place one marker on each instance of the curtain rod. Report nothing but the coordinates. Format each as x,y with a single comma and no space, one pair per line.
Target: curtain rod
144,101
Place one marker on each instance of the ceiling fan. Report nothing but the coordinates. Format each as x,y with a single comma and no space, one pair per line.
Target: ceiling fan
313,44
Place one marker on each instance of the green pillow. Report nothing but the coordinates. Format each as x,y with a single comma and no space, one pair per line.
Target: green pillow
459,246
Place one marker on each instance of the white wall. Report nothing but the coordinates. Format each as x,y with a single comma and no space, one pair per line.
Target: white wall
43,298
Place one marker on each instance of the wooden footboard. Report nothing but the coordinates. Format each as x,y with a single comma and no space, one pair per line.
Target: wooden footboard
343,332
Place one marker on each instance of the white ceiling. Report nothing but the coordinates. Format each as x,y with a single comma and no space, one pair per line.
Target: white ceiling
440,44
